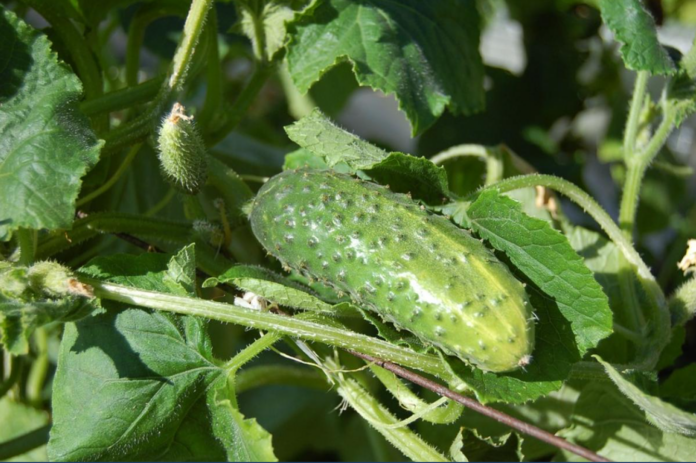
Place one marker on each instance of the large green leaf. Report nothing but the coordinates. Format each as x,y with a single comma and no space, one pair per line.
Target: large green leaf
660,413
635,29
425,53
545,257
136,385
46,144
607,422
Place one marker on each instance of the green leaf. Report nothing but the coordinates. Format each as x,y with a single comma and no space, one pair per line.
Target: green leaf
545,257
635,29
244,439
270,286
273,17
608,423
425,53
17,419
135,385
662,414
33,297
456,448
46,144
319,135
409,174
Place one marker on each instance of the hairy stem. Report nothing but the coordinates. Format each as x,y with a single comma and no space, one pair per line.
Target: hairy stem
123,98
290,326
213,91
633,121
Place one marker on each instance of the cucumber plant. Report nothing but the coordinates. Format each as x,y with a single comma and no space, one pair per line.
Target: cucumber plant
209,283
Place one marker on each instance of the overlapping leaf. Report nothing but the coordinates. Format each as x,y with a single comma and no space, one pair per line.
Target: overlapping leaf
545,257
425,53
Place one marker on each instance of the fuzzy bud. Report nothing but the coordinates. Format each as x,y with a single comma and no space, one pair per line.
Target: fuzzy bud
182,153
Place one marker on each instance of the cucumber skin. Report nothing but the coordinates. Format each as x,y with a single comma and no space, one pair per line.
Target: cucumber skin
415,269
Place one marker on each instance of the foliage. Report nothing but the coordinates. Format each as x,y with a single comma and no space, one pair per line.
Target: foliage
140,299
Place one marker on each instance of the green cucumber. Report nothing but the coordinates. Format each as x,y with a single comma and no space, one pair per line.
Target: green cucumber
415,269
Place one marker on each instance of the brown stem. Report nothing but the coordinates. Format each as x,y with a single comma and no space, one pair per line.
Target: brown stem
514,423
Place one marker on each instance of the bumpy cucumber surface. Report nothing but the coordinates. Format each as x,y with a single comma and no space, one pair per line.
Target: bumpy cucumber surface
416,269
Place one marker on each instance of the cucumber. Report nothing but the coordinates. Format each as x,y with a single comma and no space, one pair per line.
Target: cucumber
415,269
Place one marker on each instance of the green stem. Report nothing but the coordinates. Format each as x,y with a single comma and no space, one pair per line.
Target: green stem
213,92
26,239
184,52
287,375
24,443
115,222
123,98
242,103
39,369
637,165
405,440
15,366
139,129
251,351
136,35
290,326
491,156
114,178
633,121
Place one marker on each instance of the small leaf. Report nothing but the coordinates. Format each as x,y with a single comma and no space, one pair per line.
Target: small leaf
681,90
545,256
319,135
456,448
662,414
635,29
425,53
409,174
271,286
46,144
244,439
